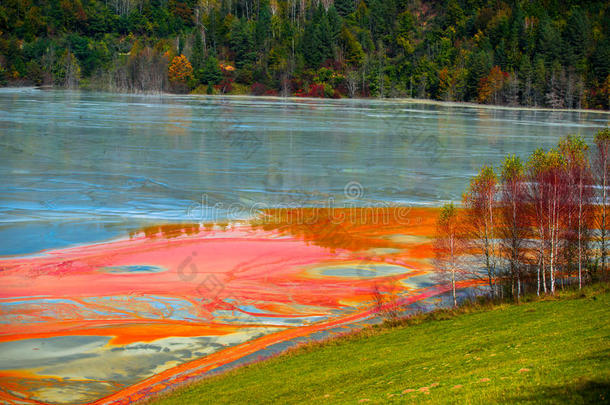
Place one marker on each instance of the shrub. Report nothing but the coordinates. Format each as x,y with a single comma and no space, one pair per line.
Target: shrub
258,89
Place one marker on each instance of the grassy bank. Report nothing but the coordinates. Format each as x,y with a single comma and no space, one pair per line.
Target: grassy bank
548,351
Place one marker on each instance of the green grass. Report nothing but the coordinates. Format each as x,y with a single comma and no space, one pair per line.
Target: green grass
549,351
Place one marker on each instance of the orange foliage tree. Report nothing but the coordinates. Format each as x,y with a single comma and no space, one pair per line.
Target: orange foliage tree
490,87
180,70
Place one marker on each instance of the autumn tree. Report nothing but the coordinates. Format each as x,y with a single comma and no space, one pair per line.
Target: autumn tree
351,48
491,86
482,223
550,195
536,202
556,54
451,83
602,177
579,196
514,230
448,247
180,71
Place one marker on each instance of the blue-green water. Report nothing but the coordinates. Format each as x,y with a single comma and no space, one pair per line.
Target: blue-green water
80,167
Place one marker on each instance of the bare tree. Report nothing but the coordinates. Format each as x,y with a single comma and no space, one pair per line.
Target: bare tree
66,72
386,302
352,83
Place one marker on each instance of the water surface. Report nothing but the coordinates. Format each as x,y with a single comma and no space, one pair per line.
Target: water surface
81,167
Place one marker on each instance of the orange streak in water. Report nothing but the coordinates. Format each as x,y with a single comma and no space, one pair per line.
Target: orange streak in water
197,367
254,265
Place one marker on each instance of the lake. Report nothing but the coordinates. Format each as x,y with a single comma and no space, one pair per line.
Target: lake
82,167
147,241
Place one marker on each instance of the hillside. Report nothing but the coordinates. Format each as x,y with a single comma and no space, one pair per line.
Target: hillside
532,53
551,351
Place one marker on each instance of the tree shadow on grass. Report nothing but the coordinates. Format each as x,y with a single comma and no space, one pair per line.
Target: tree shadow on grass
585,391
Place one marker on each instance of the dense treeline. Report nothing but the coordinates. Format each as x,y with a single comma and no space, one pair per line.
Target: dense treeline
535,53
535,225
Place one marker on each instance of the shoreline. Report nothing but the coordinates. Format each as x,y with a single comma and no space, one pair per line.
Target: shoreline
365,343
185,286
203,368
403,100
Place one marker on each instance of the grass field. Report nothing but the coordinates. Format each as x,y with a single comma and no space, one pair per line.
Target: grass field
549,351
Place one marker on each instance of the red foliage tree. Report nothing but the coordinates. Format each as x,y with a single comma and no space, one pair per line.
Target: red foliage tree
580,212
514,230
602,177
482,224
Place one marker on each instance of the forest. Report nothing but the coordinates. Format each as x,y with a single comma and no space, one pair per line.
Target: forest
544,53
531,227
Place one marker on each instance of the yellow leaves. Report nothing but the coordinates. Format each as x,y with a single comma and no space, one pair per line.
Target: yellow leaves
180,70
405,44
478,36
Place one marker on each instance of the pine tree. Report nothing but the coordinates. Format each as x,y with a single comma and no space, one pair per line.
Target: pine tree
323,36
211,73
243,43
198,55
263,27
345,7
